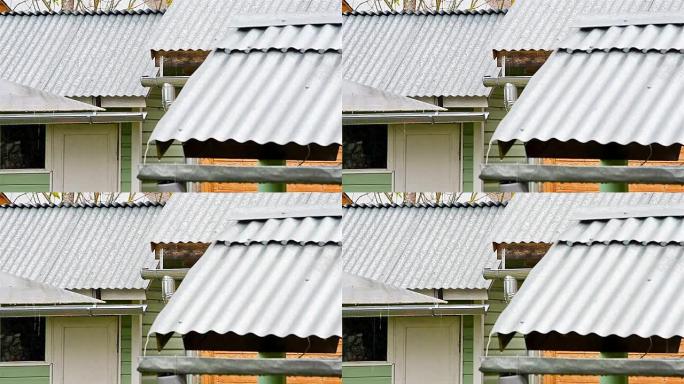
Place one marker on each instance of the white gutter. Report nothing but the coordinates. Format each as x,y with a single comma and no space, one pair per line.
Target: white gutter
412,118
414,310
71,117
72,310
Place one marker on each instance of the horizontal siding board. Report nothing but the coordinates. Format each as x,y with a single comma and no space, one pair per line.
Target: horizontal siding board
25,182
366,371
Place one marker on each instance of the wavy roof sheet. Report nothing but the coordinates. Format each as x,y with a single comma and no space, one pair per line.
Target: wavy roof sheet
421,247
78,54
307,230
543,24
619,287
421,54
277,91
201,24
78,247
617,85
542,217
205,217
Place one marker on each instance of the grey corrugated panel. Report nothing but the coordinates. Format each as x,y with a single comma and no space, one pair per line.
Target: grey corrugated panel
82,54
543,24
421,247
600,97
78,247
259,289
18,290
262,97
440,54
542,217
661,38
362,98
20,98
650,230
201,24
203,217
302,38
614,289
357,290
316,230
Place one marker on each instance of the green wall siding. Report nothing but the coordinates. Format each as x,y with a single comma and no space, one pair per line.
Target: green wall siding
154,306
154,114
367,182
496,305
468,151
126,324
366,374
497,111
30,374
468,334
125,155
24,182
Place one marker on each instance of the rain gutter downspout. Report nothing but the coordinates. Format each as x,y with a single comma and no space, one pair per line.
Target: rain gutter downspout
72,310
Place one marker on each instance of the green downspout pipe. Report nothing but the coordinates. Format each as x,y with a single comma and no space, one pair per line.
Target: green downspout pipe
613,187
271,379
613,379
272,187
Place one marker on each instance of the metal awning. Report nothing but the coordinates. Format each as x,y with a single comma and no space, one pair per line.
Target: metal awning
17,98
362,98
624,284
607,92
263,93
357,290
15,290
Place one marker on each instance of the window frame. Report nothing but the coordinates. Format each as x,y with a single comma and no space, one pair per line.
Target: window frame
47,154
46,348
390,151
388,334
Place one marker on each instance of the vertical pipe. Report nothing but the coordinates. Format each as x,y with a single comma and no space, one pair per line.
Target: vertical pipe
272,187
613,379
271,379
613,187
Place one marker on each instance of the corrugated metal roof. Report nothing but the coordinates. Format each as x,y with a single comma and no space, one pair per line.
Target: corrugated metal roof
543,24
80,247
357,290
658,38
425,54
262,96
362,98
260,289
204,217
613,95
650,230
323,37
78,54
308,230
542,217
201,24
20,98
421,247
18,290
618,288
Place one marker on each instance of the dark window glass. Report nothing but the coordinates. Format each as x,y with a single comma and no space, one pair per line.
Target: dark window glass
364,147
364,339
22,339
22,146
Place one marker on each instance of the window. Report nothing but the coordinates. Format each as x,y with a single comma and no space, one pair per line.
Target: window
364,339
22,339
22,147
364,146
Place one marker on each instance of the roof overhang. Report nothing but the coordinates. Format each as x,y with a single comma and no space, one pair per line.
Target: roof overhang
429,310
412,118
72,310
71,118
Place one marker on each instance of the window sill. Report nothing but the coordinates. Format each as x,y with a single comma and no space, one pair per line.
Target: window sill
22,171
22,363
